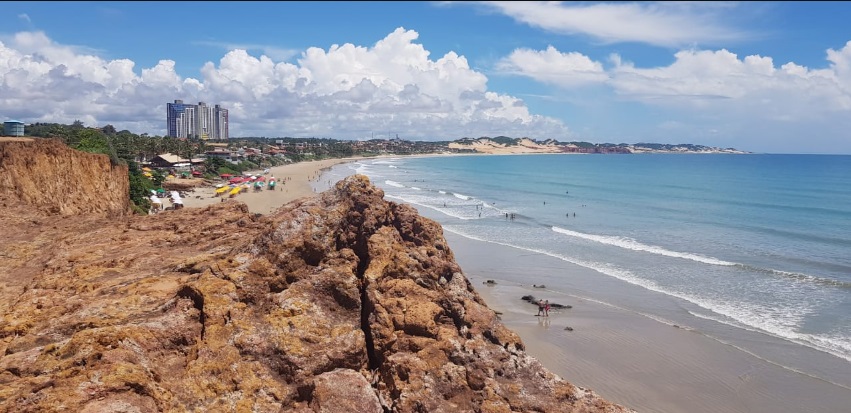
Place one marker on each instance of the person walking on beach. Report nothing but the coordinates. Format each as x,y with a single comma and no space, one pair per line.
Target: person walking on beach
540,308
547,308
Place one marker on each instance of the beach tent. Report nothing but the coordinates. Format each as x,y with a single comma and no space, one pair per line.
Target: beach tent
225,176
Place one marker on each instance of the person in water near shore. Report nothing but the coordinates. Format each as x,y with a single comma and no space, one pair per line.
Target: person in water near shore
540,308
547,308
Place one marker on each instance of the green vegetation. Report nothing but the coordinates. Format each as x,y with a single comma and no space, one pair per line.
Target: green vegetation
123,148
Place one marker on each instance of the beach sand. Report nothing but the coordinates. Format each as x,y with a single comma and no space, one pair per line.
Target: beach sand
626,357
294,182
629,358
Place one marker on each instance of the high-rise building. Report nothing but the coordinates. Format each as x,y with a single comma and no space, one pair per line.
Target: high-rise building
196,121
220,122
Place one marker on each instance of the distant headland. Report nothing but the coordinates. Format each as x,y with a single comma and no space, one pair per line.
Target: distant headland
506,145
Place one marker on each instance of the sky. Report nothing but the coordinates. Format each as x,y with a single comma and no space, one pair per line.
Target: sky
765,77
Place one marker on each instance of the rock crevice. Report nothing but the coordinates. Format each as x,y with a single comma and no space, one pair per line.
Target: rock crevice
340,302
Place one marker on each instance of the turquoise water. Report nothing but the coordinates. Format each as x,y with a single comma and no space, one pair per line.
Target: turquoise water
736,245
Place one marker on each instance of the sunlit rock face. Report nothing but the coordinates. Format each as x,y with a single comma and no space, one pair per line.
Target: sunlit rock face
343,302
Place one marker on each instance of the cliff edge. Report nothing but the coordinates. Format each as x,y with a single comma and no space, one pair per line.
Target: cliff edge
46,175
343,302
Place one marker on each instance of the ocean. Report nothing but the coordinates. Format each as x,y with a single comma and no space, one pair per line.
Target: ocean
750,250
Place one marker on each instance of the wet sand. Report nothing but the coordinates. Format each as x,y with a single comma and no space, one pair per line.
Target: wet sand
629,358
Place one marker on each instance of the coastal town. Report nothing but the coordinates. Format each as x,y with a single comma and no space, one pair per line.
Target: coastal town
193,156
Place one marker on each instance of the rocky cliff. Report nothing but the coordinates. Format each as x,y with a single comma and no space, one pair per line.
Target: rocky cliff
343,302
48,176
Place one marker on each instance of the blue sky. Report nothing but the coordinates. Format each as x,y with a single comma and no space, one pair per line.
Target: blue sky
771,77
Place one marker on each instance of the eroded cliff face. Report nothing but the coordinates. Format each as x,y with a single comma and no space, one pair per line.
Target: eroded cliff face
339,303
48,176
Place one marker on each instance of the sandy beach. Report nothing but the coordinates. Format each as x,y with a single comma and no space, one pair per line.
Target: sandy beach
294,182
629,358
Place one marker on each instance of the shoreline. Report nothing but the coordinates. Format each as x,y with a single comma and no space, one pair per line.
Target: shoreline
295,181
625,357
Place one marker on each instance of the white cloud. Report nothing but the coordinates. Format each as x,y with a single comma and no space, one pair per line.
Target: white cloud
657,23
346,91
554,67
702,78
730,97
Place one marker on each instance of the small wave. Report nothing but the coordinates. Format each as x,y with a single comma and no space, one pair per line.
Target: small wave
631,244
452,212
836,346
392,166
814,279
606,269
360,168
460,196
416,188
441,192
779,326
394,184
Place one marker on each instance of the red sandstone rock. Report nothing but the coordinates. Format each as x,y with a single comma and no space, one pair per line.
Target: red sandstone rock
342,302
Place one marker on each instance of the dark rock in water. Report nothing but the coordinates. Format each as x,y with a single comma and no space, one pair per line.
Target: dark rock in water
568,328
489,282
539,286
532,300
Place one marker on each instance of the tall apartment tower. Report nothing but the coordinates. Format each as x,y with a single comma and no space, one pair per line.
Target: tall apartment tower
196,121
220,123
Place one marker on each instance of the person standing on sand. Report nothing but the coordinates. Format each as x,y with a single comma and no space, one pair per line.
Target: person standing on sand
540,307
547,308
